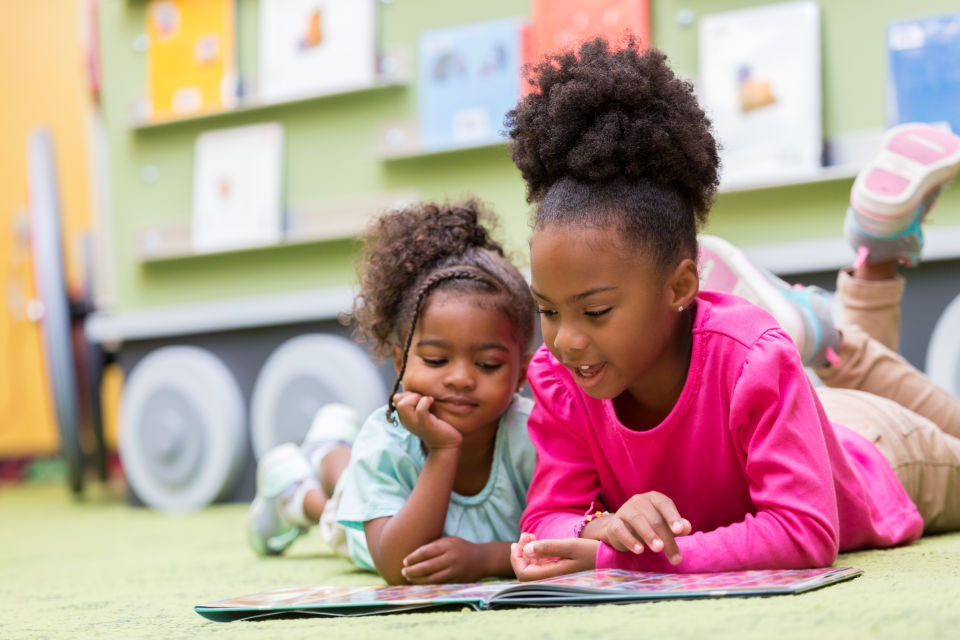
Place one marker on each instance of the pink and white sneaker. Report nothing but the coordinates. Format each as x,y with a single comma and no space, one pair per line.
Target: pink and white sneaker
804,313
893,194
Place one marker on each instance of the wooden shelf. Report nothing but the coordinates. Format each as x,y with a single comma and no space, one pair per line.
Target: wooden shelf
336,220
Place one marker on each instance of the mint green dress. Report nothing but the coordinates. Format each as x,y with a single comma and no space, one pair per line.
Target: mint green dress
386,461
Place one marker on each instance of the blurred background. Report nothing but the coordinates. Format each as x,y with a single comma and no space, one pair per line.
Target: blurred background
183,181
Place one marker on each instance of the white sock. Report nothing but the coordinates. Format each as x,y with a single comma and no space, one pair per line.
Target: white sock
291,509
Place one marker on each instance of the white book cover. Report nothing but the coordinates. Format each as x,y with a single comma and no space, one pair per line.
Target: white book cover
312,47
760,85
237,188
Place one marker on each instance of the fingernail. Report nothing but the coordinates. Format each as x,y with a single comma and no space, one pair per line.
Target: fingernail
656,544
638,548
677,526
529,548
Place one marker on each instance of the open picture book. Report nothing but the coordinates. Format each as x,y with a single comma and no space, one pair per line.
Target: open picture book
606,586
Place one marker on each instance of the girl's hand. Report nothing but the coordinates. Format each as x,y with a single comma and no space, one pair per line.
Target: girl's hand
534,559
445,560
649,519
414,412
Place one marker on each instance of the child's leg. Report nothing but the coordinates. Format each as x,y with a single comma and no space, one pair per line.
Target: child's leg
925,459
294,483
331,531
331,468
871,304
867,365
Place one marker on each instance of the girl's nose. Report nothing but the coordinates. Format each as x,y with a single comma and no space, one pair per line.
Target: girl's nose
460,376
569,340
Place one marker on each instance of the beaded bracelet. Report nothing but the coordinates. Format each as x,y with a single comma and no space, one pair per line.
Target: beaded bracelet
586,520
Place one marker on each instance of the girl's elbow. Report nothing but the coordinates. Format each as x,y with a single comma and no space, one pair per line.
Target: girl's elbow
823,546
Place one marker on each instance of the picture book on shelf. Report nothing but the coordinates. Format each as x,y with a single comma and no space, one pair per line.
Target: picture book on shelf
605,586
468,78
313,47
923,84
558,25
237,188
760,85
191,60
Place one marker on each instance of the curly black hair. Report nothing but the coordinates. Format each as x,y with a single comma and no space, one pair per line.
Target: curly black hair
614,136
410,253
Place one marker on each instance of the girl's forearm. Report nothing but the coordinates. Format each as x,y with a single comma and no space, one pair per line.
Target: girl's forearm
421,519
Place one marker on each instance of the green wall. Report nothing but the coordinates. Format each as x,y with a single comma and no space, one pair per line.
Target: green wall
331,148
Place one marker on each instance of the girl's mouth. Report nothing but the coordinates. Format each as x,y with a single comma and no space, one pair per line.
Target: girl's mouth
588,370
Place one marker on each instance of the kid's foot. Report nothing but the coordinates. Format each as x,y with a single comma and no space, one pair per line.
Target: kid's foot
804,313
893,194
274,520
334,425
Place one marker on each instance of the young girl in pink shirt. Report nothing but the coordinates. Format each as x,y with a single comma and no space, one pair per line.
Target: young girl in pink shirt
675,427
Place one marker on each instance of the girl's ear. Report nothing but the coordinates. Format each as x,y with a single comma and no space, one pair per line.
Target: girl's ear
397,358
683,284
524,363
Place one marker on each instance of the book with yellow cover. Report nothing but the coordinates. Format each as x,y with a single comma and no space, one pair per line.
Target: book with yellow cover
191,60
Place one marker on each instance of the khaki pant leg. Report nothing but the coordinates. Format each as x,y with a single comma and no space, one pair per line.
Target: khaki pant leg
872,305
924,458
331,531
867,365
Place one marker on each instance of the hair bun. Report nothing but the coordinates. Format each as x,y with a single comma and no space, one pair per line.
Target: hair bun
603,114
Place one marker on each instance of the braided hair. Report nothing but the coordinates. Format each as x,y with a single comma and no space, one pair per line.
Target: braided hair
413,252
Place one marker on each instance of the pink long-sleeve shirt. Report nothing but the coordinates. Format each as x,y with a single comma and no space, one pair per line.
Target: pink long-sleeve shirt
747,455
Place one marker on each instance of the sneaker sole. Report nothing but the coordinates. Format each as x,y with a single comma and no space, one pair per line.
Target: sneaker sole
725,268
914,160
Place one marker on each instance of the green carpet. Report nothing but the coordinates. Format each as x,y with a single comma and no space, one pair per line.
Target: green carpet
101,569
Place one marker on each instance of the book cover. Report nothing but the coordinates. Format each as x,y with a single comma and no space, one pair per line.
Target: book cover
587,587
237,188
313,47
468,78
558,25
191,60
923,79
760,85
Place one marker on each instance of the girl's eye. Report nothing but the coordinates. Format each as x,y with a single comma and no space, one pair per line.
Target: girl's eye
489,366
546,312
597,314
434,362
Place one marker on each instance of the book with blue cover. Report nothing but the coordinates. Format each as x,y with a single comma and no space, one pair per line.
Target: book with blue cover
605,586
468,78
924,70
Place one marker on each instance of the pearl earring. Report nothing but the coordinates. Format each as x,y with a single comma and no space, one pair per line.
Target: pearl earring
680,309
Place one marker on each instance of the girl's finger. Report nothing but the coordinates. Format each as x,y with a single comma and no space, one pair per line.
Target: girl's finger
425,568
646,532
548,570
562,548
668,511
621,537
420,554
423,407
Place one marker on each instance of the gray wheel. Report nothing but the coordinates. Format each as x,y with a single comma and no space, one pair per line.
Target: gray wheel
183,437
303,374
943,351
45,234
